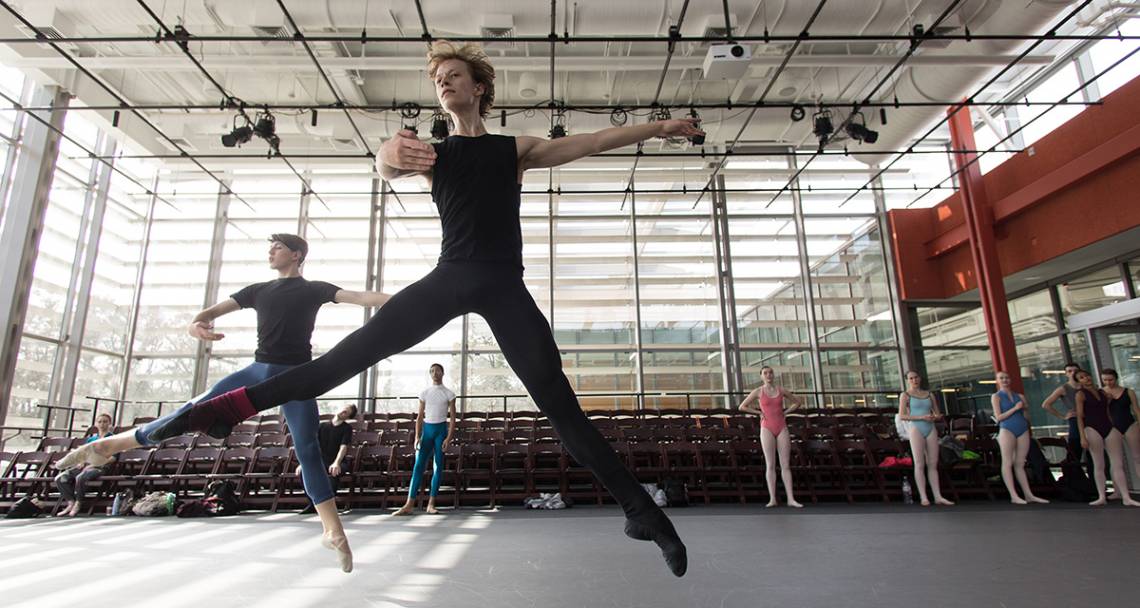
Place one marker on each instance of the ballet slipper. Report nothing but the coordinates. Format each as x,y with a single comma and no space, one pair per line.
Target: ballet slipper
657,528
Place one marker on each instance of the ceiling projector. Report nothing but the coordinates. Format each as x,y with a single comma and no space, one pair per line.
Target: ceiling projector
727,61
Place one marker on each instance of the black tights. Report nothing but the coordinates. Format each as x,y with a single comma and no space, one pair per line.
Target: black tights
497,293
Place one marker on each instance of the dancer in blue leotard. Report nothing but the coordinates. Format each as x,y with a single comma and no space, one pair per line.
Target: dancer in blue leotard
1013,438
919,407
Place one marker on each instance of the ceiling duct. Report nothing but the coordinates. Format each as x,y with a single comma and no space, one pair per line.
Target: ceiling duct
53,24
268,20
502,28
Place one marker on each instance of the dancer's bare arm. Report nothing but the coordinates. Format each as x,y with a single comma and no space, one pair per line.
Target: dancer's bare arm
1051,399
450,422
1081,419
202,327
405,155
749,401
374,299
904,407
797,403
419,425
334,468
537,153
935,410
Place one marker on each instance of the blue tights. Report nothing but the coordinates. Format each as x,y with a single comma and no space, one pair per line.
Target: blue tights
301,416
431,445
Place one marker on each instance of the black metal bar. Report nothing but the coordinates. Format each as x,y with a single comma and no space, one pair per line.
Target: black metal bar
914,44
42,38
977,157
297,34
770,39
958,106
804,33
587,108
626,191
423,24
231,101
106,160
702,154
669,51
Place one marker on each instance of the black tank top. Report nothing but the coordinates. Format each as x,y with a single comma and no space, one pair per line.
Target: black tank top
475,187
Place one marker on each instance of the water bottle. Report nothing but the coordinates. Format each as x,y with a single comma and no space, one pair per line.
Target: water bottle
908,493
117,505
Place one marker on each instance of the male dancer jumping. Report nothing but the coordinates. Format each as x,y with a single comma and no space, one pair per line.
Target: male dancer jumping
286,314
475,181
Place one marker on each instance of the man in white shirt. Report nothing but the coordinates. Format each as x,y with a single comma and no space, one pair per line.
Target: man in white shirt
435,426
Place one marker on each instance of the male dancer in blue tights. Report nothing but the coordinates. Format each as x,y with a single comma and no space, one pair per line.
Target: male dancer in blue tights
286,315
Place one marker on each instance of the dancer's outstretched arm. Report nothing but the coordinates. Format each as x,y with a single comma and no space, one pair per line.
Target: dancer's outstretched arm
202,327
374,299
536,153
405,155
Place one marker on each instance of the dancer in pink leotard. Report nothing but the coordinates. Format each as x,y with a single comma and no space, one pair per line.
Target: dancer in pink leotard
773,431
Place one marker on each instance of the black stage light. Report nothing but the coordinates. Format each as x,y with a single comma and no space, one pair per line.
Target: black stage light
857,129
821,125
558,129
266,126
618,117
696,140
238,136
439,126
798,113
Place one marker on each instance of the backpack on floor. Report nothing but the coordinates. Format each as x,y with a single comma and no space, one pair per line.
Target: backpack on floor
221,498
1075,485
950,450
1037,466
154,504
25,508
676,494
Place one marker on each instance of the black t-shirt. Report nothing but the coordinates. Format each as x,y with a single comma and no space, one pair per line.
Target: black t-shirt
286,313
330,437
475,186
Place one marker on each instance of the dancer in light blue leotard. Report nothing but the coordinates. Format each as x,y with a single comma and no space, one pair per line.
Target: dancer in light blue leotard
919,408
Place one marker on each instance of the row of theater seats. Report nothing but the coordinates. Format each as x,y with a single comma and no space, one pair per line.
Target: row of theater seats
834,457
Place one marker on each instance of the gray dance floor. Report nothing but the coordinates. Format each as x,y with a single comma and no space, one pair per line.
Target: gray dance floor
739,556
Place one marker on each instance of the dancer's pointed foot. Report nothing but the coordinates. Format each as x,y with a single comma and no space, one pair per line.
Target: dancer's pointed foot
943,502
216,417
404,510
75,457
340,545
657,528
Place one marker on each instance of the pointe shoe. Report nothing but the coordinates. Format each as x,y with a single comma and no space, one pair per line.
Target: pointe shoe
657,528
943,502
75,457
343,552
794,504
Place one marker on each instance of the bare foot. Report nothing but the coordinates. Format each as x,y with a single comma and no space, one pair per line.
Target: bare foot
771,504
431,510
1017,500
1038,500
404,510
792,503
943,502
73,511
1100,502
1128,502
924,502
